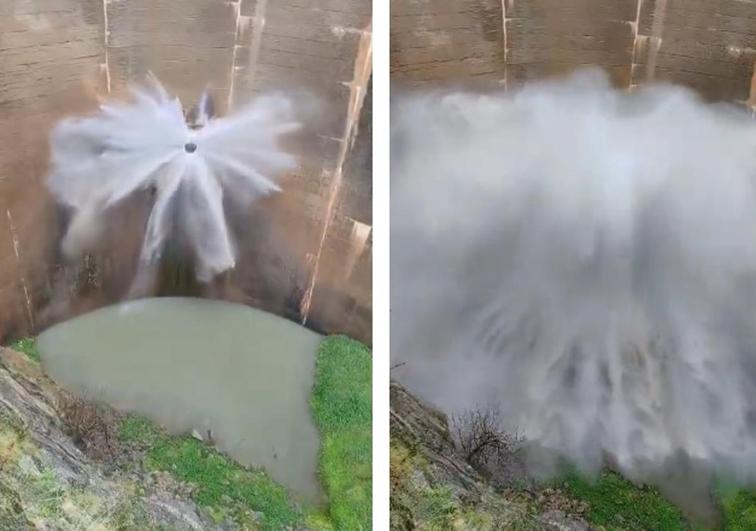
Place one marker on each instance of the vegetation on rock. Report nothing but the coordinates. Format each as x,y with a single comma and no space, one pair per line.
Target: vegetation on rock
226,490
28,346
48,481
616,503
441,480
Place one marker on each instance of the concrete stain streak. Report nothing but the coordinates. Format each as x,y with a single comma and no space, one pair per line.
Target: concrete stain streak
358,89
504,5
258,26
358,239
237,18
17,252
106,35
636,28
655,41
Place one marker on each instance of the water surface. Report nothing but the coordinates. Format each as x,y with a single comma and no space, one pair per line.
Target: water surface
193,364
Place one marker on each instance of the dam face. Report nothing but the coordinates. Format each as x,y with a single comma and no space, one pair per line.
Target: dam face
59,57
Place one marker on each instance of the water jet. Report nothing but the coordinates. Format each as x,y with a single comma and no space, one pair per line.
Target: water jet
584,259
101,160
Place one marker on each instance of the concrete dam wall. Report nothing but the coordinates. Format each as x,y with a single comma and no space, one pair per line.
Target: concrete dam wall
709,45
305,253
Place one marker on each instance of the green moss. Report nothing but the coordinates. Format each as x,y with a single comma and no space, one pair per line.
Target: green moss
131,514
414,501
419,501
437,508
222,487
28,346
738,508
140,431
341,405
47,489
318,521
617,503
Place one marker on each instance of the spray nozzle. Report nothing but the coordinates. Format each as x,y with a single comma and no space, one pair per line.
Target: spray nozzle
190,147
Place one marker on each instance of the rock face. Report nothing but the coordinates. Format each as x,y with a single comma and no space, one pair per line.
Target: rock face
48,482
432,487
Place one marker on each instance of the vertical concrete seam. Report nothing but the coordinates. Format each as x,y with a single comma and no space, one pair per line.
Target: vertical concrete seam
655,41
258,26
106,38
752,92
358,241
363,65
504,6
237,34
636,28
17,252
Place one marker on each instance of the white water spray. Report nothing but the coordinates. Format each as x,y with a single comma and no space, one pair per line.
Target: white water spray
585,259
147,143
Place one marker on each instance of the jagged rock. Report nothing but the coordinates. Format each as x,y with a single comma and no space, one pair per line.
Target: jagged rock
433,487
426,429
48,482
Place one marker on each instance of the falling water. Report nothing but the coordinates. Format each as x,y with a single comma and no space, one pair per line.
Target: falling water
146,143
585,259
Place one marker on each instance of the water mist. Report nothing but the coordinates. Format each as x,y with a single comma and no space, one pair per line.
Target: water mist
585,259
146,143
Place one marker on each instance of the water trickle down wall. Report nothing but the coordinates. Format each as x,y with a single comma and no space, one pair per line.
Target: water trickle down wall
709,45
304,253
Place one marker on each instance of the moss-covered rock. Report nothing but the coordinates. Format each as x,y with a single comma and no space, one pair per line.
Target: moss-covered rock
434,488
47,481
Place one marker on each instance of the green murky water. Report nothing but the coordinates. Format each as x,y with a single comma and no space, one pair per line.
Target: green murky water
192,364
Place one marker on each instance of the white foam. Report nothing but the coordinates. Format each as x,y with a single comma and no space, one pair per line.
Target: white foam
97,161
585,259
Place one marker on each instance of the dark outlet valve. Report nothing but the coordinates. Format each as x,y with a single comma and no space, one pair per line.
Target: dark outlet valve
190,147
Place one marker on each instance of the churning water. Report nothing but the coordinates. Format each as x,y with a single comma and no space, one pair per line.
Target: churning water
585,259
192,364
146,142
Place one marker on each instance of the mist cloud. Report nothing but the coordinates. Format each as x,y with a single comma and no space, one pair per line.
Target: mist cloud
585,259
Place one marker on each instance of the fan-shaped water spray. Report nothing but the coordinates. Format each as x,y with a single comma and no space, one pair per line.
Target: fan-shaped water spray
98,161
585,259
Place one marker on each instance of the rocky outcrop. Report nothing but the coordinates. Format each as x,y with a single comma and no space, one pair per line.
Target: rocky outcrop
433,487
49,480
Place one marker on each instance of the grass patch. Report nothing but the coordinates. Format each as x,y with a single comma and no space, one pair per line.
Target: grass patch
617,503
140,431
28,346
738,507
342,407
224,489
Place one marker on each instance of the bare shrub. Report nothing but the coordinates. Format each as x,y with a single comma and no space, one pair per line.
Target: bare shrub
484,443
91,425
